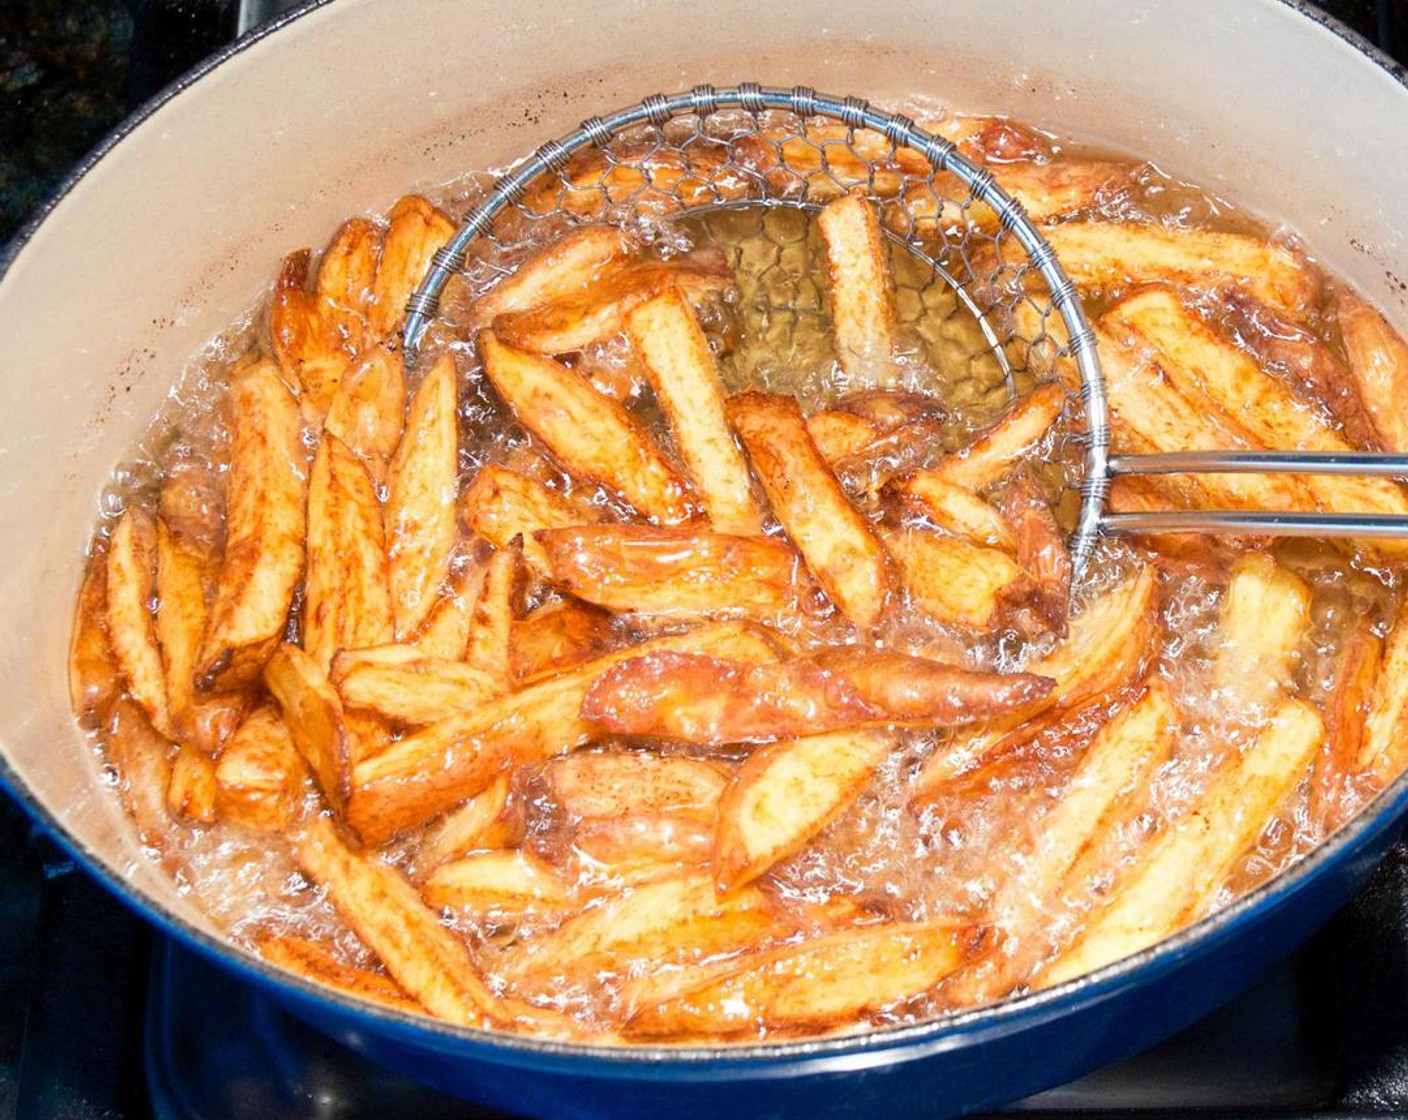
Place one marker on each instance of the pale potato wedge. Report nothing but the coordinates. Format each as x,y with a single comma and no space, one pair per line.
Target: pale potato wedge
839,545
1384,750
191,793
786,793
382,907
824,981
861,291
1378,360
556,636
413,690
682,371
500,504
93,676
954,580
487,821
491,624
501,884
617,783
839,434
313,711
954,509
1040,547
267,520
141,760
369,409
260,777
131,585
1264,615
445,631
429,772
416,230
675,572
996,450
421,490
1179,876
314,961
698,698
592,436
1114,255
562,269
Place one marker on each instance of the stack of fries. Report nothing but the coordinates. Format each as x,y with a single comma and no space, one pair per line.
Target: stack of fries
546,733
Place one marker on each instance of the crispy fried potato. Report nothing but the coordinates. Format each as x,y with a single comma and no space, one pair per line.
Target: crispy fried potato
646,178
264,555
1040,547
1264,615
954,580
1045,190
839,434
445,631
1149,494
260,777
954,509
488,820
680,572
141,759
1384,750
313,712
1114,255
698,698
1378,360
645,847
617,783
1179,876
313,961
554,637
491,624
785,794
429,772
839,545
131,583
501,504
861,291
93,676
685,377
346,598
1357,667
501,884
307,347
869,470
400,684
416,230
192,503
997,449
824,981
593,437
183,571
420,499
192,790
384,910
562,269
369,409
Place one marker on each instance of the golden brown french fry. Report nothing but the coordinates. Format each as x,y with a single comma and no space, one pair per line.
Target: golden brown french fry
861,291
192,791
1180,875
420,499
998,448
183,570
260,777
313,712
682,572
500,504
1384,750
141,759
839,434
685,377
411,689
445,631
510,884
1040,547
192,504
648,178
416,230
555,637
698,698
486,821
786,793
1347,707
839,545
1148,494
346,277
491,624
1378,360
644,847
131,580
824,981
93,676
369,409
1263,617
429,772
953,508
954,580
266,518
305,344
384,910
314,961
1114,255
592,436
616,783
898,451
1045,190
564,268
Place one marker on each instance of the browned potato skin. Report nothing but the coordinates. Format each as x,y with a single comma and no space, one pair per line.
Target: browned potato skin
556,637
491,623
1357,671
412,691
617,783
1040,547
369,409
131,627
142,761
1378,361
313,712
192,791
314,961
93,675
416,230
501,505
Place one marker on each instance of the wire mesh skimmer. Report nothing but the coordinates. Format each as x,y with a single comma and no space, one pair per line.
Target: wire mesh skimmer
761,150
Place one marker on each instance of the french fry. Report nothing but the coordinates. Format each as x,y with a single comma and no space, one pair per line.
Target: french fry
491,624
346,598
307,348
824,981
429,772
1358,663
556,636
93,676
260,776
862,300
954,509
839,434
954,580
445,631
839,545
416,230
889,409
183,570
500,504
683,373
1378,360
313,712
413,689
698,698
191,792
1040,547
384,910
511,884
643,847
1263,617
313,961
785,794
593,437
608,784
1114,255
141,759
899,450
369,408
998,448
1148,494
131,582
1384,750
650,179
560,270
1180,875
420,499
486,821
266,516
675,572
1046,191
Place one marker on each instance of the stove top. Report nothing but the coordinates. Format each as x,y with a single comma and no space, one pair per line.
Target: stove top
101,1019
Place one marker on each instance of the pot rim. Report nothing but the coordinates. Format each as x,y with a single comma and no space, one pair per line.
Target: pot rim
856,1051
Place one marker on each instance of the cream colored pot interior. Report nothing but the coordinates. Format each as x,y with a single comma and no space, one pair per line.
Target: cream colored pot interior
179,228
